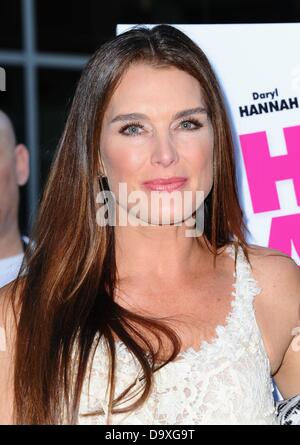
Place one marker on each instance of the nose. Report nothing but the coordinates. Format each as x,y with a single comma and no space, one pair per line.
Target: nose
164,152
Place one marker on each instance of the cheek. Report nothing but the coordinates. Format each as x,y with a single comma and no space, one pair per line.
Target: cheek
200,159
122,161
200,152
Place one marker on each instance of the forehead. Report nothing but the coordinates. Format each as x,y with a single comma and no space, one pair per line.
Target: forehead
149,88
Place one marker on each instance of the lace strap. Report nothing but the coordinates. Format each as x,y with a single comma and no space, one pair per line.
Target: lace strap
246,285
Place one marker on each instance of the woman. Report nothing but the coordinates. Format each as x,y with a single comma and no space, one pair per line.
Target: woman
142,323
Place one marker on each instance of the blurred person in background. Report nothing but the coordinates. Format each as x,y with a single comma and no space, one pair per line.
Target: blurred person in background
14,172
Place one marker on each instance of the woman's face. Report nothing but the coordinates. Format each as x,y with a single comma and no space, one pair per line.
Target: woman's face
157,144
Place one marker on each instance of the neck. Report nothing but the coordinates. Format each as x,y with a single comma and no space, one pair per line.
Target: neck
10,242
163,252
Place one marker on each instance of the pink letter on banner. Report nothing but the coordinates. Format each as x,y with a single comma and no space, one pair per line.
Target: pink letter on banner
284,230
262,170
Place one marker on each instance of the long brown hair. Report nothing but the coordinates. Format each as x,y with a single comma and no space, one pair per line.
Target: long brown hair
69,273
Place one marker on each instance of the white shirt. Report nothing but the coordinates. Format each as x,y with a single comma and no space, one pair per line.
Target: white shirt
9,267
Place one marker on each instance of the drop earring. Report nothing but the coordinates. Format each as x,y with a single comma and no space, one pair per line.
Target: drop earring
103,181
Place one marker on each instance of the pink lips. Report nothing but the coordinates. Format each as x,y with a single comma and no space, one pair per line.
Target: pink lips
165,184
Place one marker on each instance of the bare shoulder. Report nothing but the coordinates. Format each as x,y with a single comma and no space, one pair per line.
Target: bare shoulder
278,304
7,337
276,269
260,252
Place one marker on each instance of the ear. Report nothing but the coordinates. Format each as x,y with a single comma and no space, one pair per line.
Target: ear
21,164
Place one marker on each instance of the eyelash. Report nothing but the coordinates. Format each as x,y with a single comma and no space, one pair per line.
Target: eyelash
139,125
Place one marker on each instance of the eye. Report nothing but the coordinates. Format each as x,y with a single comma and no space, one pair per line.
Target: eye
136,125
131,125
195,122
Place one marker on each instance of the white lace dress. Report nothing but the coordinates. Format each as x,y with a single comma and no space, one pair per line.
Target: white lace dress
227,382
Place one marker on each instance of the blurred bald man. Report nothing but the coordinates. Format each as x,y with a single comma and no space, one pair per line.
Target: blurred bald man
14,172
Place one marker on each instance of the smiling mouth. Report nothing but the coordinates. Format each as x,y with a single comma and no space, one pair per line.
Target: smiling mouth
165,184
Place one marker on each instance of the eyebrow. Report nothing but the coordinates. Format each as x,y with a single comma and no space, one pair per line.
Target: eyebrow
183,113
